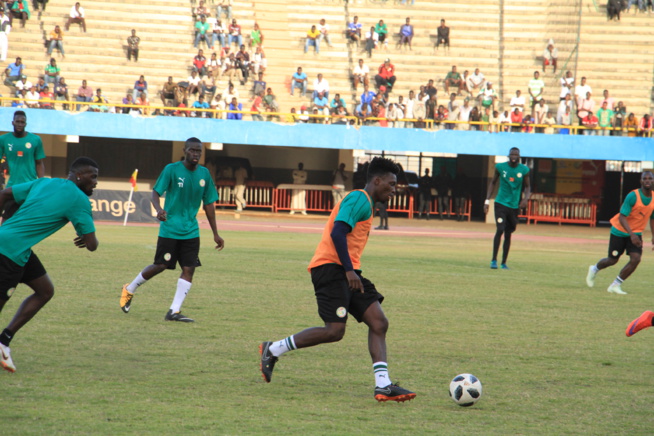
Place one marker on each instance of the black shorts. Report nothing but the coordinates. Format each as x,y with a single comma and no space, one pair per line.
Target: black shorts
620,244
11,274
505,218
172,251
334,296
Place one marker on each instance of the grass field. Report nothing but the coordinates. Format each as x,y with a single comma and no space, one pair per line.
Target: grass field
551,353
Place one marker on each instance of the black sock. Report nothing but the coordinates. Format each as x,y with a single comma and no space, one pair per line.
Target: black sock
6,337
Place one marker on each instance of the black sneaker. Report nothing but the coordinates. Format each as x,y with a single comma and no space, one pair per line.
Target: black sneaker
177,316
393,392
267,361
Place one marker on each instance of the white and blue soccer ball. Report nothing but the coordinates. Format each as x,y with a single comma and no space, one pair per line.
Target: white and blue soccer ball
465,390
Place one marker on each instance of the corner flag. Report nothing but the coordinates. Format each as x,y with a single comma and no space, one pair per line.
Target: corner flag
132,179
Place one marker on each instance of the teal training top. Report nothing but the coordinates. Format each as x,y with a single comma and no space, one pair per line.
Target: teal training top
629,202
46,206
511,180
355,207
184,190
21,154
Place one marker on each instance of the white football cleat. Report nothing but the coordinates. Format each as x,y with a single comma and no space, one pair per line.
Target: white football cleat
590,278
616,289
5,359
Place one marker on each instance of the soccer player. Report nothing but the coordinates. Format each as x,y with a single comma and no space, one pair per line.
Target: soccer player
46,205
645,320
186,185
339,286
24,154
627,234
512,176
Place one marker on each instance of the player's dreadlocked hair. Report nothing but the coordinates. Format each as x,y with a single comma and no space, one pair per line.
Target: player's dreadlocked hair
380,166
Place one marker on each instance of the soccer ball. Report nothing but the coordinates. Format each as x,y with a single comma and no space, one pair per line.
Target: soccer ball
465,389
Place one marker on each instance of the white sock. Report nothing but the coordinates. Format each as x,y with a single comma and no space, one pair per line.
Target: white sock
182,289
138,281
381,374
618,281
595,269
278,348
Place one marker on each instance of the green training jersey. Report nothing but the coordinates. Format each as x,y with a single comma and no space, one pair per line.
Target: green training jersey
627,205
511,180
46,206
184,190
21,155
355,207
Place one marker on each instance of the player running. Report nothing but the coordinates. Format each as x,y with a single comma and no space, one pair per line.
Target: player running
627,234
339,286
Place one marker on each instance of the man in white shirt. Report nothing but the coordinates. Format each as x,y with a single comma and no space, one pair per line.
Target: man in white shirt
323,27
517,102
464,114
504,118
76,16
5,28
32,98
320,85
360,74
475,82
23,83
540,111
566,84
581,91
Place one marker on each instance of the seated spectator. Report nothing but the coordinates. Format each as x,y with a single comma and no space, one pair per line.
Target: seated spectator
590,124
235,36
220,33
219,104
362,112
32,98
386,75
144,102
181,111
312,40
229,93
605,118
406,33
453,78
323,28
61,92
259,85
620,116
442,35
40,84
354,30
76,16
487,96
128,99
14,72
56,41
243,63
201,11
214,67
229,67
644,126
257,107
167,93
52,72
235,106
259,62
504,118
100,103
517,102
224,6
360,75
203,33
630,126
474,119
382,33
193,83
549,121
200,104
320,85
21,102
208,87
199,62
336,102
371,41
368,96
516,118
303,116
299,80
84,94
132,46
46,99
550,55
21,10
527,124
23,84
475,82
256,36
270,103
140,86
321,103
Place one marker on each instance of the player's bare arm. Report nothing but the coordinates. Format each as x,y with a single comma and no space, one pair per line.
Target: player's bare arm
156,203
525,199
40,168
88,241
491,189
634,237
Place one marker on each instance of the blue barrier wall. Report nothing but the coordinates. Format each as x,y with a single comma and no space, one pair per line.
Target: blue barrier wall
91,124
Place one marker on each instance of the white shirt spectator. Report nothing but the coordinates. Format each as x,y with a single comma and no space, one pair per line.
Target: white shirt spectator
227,96
321,85
323,28
517,102
361,70
475,80
20,85
32,99
581,91
566,82
74,13
193,80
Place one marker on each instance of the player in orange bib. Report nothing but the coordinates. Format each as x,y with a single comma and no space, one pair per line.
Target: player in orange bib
626,234
340,288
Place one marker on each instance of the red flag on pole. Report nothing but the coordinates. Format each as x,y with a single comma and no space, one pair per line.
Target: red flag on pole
132,179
